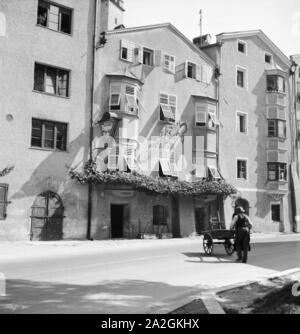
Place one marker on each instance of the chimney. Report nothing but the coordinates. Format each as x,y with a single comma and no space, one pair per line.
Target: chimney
202,40
112,14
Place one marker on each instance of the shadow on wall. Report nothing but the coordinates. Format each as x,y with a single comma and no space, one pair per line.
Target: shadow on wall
261,140
107,297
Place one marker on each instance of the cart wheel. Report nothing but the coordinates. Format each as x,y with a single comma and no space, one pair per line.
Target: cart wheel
229,247
208,244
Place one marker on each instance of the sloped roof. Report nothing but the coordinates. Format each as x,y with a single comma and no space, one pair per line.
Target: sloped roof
171,28
124,73
262,36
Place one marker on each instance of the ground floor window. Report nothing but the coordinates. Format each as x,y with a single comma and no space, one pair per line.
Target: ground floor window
3,200
160,215
275,211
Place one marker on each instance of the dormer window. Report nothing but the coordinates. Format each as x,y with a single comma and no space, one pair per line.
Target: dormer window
275,83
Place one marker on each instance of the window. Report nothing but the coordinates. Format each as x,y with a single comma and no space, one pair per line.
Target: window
241,77
298,130
49,135
242,122
191,70
131,99
127,51
148,57
205,115
275,83
277,172
275,212
54,17
115,97
242,47
168,106
160,215
276,128
3,201
214,173
242,169
268,58
51,80
169,63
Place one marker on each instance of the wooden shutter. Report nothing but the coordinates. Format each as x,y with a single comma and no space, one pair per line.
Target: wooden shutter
201,114
200,157
198,73
157,58
181,71
130,46
3,200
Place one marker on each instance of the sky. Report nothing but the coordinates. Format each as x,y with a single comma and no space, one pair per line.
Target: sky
279,19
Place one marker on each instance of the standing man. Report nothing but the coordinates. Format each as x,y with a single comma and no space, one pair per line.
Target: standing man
242,225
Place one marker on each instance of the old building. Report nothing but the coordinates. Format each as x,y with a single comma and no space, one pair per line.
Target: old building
256,130
46,53
151,81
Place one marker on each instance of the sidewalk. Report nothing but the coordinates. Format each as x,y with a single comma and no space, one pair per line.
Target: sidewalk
30,251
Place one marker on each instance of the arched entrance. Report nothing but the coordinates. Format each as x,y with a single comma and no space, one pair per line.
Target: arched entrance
244,204
47,214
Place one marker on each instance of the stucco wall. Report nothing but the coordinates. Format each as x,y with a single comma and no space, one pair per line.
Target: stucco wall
41,170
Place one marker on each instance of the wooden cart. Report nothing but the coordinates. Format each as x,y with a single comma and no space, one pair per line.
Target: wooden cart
218,235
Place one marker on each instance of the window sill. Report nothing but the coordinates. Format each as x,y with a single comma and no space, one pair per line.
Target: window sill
47,149
57,31
49,94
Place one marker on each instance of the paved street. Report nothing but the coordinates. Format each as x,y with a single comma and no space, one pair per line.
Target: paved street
135,280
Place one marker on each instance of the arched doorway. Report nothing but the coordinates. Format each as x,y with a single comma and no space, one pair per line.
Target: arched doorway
47,214
244,204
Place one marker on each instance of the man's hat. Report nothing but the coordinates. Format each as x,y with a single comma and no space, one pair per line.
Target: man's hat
239,210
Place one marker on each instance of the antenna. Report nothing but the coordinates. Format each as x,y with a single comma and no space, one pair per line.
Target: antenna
201,22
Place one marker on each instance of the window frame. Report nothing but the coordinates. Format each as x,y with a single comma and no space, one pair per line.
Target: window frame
245,44
61,9
194,69
169,68
245,160
168,107
273,204
55,132
267,54
276,90
56,69
276,134
152,53
5,202
240,114
244,70
277,171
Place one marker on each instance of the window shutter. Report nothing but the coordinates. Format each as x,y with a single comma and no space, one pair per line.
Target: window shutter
130,46
139,54
165,166
200,157
198,73
181,71
3,200
201,112
157,58
53,17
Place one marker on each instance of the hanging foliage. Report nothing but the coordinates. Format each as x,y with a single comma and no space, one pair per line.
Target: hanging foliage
6,171
162,186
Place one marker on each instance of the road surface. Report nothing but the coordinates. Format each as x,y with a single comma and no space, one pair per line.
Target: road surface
131,281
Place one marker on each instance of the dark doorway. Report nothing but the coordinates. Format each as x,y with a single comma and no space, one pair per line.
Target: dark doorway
244,204
117,221
200,220
47,214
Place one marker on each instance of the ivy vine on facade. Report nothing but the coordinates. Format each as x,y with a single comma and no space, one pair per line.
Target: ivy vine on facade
151,185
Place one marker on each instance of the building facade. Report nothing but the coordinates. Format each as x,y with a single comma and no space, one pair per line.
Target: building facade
256,130
150,81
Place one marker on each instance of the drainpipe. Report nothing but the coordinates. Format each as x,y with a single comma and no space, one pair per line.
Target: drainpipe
90,185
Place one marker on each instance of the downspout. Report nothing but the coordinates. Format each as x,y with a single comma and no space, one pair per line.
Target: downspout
90,185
